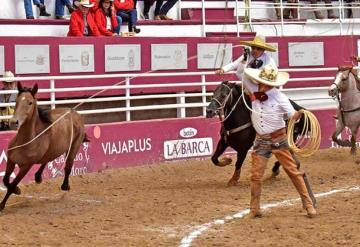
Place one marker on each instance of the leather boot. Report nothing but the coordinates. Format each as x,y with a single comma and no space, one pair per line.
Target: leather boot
257,172
42,9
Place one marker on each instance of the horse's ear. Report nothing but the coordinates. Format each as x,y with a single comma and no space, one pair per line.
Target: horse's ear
20,87
34,90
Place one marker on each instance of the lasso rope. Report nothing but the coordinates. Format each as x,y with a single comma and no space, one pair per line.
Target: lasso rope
310,138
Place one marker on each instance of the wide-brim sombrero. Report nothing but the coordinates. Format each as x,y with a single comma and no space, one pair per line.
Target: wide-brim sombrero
259,41
9,75
85,3
268,76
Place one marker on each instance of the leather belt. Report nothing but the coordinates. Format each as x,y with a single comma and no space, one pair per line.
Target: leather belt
273,135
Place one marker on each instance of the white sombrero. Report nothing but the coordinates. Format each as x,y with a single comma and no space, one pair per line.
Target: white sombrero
268,75
9,75
259,41
85,3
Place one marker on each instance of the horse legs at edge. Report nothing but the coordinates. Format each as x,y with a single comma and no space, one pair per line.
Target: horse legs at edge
241,155
276,169
220,148
339,128
38,174
12,187
354,131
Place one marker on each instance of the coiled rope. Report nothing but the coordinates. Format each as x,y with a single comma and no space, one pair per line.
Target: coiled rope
309,140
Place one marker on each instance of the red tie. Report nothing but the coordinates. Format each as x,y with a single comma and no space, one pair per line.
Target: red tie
261,96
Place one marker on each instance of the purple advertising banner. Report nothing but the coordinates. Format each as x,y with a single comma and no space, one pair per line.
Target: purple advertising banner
137,143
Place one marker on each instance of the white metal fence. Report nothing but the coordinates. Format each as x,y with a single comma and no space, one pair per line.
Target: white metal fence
309,96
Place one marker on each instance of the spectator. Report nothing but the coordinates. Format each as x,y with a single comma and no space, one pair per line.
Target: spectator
348,10
147,5
29,11
9,84
164,9
290,12
125,9
82,21
318,14
106,19
59,8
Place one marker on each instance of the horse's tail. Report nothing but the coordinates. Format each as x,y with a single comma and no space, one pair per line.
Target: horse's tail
86,138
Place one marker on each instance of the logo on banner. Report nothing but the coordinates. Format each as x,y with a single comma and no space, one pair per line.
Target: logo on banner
126,146
190,147
56,167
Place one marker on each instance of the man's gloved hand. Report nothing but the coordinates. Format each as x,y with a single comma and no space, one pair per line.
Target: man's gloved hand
246,53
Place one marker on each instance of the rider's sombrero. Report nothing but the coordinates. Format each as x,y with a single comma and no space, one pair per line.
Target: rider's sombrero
259,41
268,75
9,75
85,3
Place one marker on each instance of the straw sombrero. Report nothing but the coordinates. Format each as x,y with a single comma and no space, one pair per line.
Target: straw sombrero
85,3
268,75
9,75
259,41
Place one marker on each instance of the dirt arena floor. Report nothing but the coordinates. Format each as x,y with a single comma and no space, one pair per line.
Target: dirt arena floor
160,205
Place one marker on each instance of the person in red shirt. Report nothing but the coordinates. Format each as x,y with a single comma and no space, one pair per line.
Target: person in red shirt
125,9
82,22
106,19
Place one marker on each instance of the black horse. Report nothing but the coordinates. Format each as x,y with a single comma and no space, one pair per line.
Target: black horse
236,130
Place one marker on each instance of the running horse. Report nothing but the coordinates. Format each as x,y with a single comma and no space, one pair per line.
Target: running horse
236,130
42,136
346,89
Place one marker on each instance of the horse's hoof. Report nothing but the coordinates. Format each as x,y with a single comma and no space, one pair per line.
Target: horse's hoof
224,161
65,187
17,191
232,182
357,161
275,173
38,179
2,206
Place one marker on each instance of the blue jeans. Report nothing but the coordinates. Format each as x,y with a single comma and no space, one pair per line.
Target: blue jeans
28,6
130,16
119,20
59,7
167,6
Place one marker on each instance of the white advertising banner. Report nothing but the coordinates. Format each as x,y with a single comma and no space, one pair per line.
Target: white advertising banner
168,56
275,55
2,59
185,148
32,59
76,58
211,56
122,58
306,54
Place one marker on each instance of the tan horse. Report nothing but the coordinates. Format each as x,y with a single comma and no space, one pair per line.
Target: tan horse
30,147
346,88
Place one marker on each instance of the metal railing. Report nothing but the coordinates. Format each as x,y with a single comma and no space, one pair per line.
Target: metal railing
310,97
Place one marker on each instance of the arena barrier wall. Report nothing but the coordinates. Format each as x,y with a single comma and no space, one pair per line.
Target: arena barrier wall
139,143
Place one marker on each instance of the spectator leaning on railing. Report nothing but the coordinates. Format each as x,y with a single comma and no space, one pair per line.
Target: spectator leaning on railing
29,11
330,12
105,18
290,12
9,84
125,9
82,21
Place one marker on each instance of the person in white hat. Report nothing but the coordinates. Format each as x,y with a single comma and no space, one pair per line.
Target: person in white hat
256,58
268,108
8,84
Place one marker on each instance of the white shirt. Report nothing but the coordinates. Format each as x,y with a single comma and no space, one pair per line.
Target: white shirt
108,23
239,66
268,116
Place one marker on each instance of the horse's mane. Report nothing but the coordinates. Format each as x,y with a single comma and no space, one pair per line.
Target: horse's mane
44,114
353,71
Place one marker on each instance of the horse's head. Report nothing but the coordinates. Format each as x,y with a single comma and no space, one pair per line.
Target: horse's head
221,97
341,82
25,105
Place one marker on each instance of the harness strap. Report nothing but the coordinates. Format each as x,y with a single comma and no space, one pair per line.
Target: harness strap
240,128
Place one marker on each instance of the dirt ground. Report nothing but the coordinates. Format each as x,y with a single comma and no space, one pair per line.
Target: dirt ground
161,204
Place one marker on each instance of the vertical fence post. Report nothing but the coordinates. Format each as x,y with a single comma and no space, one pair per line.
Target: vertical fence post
237,18
52,94
180,111
127,101
203,92
203,33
